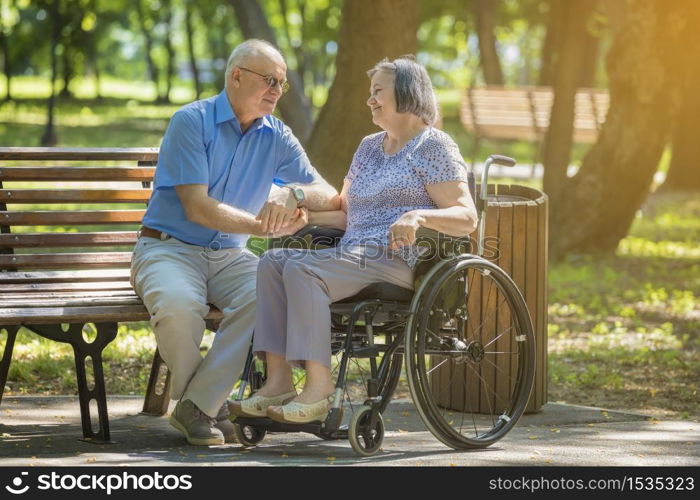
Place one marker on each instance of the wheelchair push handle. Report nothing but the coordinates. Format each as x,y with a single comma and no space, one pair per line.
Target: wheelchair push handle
504,161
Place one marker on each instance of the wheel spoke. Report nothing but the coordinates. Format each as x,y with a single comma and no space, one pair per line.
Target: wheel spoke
481,326
437,366
499,336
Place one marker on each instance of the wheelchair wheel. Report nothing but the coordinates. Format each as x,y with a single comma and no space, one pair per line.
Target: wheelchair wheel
470,352
366,438
248,435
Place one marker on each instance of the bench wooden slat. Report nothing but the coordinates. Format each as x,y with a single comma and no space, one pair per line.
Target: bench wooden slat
32,240
136,154
66,260
98,314
39,296
67,217
76,173
86,286
20,277
72,302
74,195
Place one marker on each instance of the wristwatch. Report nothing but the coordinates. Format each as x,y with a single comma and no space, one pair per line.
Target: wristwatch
298,194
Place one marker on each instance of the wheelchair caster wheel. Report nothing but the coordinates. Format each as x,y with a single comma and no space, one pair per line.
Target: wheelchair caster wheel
364,438
248,435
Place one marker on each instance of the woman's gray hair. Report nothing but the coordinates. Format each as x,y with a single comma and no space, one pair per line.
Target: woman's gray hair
412,87
250,48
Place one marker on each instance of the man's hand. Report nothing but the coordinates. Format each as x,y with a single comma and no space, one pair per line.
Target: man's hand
403,231
296,224
279,210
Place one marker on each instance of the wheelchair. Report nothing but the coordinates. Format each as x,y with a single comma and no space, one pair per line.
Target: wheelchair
465,335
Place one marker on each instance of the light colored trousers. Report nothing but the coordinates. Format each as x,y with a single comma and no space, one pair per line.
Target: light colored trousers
177,281
296,288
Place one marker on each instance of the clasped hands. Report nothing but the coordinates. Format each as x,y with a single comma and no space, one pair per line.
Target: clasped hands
280,215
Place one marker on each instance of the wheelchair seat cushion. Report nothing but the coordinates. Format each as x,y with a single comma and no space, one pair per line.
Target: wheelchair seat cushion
383,291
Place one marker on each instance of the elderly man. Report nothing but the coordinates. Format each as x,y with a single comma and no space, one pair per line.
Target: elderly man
214,186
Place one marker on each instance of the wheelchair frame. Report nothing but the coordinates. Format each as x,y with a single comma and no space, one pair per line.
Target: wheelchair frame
410,327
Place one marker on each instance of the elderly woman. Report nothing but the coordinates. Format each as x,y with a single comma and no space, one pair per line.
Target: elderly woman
407,176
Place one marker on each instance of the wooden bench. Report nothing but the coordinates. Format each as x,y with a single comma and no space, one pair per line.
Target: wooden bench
68,221
496,112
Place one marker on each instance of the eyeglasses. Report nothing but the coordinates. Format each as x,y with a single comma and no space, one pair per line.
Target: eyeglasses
270,80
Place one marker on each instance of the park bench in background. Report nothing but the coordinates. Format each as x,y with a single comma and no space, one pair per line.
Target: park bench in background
500,113
59,283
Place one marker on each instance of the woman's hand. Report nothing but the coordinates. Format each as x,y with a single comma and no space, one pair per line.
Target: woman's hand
301,221
403,231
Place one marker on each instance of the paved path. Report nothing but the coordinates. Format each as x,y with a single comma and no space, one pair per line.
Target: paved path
46,431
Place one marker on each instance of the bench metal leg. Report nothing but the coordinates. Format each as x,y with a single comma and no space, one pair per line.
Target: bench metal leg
157,397
7,355
158,390
73,335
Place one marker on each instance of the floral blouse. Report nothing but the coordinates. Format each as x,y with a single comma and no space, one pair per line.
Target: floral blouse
385,186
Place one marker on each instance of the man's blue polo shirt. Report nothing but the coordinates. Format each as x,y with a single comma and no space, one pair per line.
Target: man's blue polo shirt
204,145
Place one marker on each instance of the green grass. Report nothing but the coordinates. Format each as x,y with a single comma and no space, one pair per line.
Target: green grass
625,330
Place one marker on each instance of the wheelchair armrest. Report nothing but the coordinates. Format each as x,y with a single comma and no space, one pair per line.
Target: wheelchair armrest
310,235
425,233
439,246
429,237
321,231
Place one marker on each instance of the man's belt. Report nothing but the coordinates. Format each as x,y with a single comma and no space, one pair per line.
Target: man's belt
152,233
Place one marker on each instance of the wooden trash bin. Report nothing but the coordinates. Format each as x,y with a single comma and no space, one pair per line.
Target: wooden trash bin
516,240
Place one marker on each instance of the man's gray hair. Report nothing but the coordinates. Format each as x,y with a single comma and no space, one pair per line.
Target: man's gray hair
250,48
412,87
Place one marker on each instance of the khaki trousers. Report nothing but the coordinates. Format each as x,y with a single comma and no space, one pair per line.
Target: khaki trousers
177,281
296,288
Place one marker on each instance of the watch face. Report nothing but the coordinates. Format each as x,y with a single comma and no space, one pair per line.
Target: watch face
298,194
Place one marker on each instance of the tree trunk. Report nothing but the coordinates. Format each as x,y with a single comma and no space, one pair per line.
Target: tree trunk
67,69
589,57
294,106
647,59
684,171
559,137
50,138
365,38
299,53
552,41
190,48
91,38
93,61
6,64
152,68
488,56
167,10
217,46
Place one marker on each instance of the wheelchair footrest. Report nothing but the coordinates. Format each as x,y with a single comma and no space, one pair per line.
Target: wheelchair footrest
271,426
